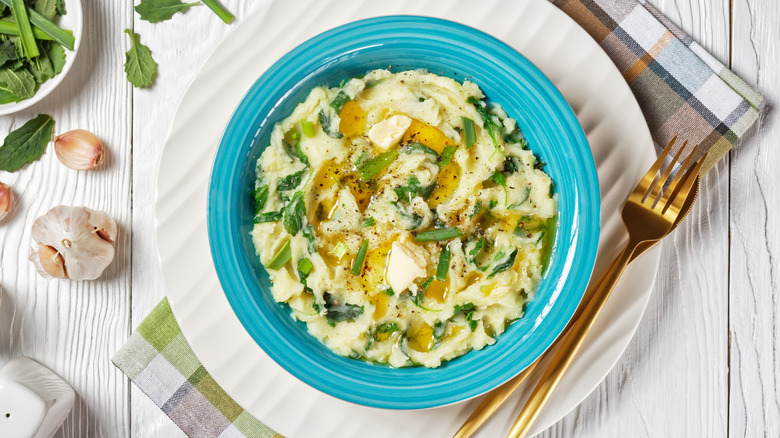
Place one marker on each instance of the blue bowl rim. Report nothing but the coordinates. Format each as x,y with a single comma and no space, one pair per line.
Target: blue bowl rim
225,252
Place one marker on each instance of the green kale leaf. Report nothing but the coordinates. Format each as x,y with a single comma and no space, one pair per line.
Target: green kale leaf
337,310
140,68
155,11
26,144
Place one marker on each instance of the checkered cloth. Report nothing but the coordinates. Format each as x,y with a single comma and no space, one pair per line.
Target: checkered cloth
681,88
160,362
682,91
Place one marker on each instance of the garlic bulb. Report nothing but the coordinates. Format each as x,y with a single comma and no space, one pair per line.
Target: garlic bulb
79,149
6,200
73,242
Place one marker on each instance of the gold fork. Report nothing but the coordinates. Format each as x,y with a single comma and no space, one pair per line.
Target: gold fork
649,214
676,202
498,396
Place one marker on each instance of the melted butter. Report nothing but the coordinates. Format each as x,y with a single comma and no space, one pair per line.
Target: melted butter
428,135
325,199
420,336
381,302
438,290
446,183
375,267
360,189
473,278
353,119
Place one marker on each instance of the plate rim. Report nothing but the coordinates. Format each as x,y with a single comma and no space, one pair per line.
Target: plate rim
649,262
382,394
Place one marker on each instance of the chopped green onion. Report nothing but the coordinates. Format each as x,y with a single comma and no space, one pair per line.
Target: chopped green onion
357,266
220,10
374,83
369,168
10,28
389,291
304,268
370,222
436,235
419,147
444,264
308,128
26,37
339,101
281,257
446,155
268,217
59,35
339,250
468,130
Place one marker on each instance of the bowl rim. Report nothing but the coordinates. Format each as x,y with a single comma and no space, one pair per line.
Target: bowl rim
590,214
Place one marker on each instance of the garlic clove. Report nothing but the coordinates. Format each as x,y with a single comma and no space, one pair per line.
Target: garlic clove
6,200
74,233
105,227
79,149
51,261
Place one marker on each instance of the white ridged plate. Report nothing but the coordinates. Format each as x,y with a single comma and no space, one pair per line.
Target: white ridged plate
606,108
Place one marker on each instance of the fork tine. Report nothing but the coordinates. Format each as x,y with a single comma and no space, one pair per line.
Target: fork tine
671,189
650,175
679,194
658,185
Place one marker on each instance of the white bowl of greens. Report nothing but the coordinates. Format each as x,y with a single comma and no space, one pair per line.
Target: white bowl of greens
36,55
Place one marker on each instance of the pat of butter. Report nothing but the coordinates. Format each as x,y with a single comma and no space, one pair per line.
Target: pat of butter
405,265
388,132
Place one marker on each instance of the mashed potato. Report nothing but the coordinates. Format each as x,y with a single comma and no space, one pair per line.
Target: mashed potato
402,219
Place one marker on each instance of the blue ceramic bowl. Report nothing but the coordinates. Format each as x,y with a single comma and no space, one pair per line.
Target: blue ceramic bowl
444,48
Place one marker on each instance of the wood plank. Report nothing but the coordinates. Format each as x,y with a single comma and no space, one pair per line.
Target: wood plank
672,379
75,327
755,236
180,46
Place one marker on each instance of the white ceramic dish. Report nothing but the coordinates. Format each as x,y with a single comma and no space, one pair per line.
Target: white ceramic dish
606,108
72,20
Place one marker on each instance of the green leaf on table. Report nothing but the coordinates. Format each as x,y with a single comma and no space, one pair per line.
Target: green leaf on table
16,85
139,65
155,11
47,8
7,52
26,144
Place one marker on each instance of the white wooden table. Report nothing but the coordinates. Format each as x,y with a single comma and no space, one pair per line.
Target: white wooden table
704,363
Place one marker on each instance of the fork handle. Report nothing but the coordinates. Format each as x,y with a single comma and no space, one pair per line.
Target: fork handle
570,345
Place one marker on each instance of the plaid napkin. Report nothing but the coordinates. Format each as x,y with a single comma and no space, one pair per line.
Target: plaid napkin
160,362
682,90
